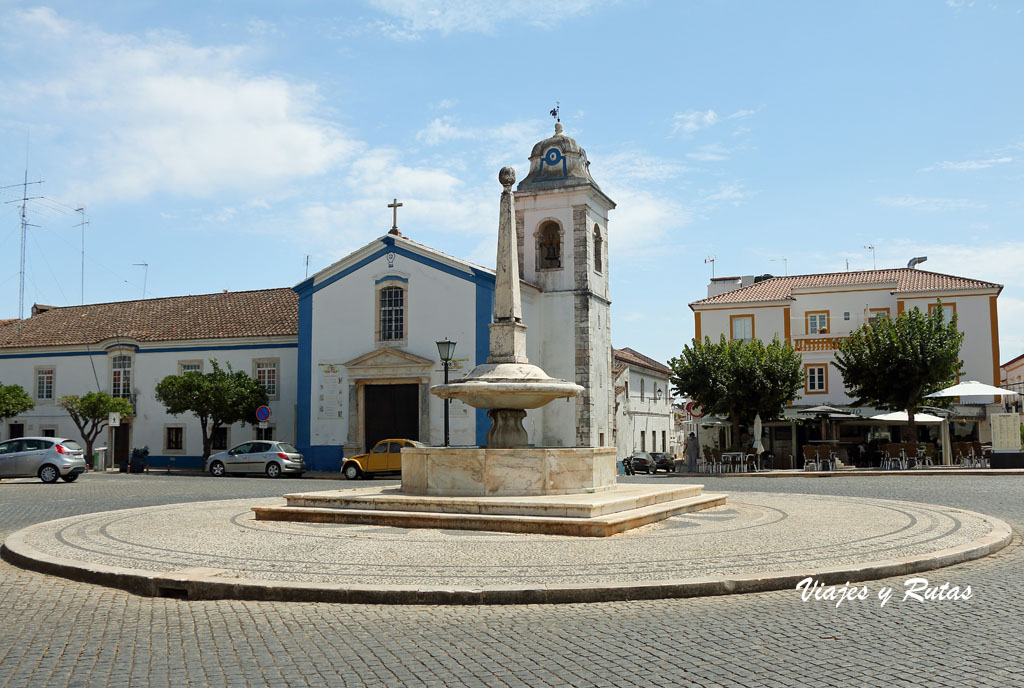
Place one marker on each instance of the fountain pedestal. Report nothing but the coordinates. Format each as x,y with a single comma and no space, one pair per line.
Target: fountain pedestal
482,472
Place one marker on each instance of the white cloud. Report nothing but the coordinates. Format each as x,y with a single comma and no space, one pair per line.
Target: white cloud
644,223
743,114
732,194
709,153
967,165
483,16
687,123
929,205
161,114
631,166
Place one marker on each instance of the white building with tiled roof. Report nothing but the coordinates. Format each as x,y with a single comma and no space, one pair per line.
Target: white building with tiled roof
126,348
816,312
643,404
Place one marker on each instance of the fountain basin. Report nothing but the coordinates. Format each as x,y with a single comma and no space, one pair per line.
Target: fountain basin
523,472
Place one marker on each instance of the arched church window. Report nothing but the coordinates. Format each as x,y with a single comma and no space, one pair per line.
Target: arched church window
392,314
549,246
598,247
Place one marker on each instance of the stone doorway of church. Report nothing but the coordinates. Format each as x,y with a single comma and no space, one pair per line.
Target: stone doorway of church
392,411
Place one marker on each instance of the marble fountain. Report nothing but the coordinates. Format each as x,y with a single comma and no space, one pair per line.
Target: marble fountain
506,485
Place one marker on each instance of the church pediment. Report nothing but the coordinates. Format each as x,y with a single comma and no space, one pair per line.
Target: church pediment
387,361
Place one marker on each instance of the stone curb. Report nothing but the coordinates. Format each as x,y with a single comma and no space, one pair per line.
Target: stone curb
205,584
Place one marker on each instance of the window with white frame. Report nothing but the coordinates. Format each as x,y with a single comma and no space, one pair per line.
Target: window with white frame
266,433
265,371
121,376
44,383
817,322
742,327
189,367
816,379
392,314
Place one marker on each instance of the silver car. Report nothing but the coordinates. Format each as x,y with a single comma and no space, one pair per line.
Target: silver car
258,456
48,458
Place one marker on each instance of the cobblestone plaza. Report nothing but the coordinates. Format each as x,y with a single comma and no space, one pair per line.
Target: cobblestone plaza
58,632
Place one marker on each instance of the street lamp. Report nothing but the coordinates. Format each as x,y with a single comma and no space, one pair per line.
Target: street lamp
446,350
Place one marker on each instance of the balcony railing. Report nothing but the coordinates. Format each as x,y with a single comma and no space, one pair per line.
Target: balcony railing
818,342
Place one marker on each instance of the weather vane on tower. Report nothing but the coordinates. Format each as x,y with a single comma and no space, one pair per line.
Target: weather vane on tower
555,111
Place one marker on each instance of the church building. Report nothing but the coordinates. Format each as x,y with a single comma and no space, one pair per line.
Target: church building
369,324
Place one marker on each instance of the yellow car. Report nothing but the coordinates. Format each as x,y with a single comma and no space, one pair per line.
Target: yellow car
385,457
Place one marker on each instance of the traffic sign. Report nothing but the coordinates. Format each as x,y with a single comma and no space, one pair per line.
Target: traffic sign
263,413
114,419
264,425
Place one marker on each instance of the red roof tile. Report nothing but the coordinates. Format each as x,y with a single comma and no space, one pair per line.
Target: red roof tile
263,313
636,358
906,279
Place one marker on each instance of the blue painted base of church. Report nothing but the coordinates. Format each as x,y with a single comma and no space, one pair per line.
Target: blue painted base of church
322,457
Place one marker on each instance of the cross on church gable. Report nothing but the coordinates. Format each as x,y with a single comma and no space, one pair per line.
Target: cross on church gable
395,205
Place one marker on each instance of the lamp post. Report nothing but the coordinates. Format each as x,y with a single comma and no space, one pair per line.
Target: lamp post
446,350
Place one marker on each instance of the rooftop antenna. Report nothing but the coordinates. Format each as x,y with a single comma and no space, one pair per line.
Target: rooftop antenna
307,265
145,275
785,264
847,264
711,259
25,224
82,224
871,247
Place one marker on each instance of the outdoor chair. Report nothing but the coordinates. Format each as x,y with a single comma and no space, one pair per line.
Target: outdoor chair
980,459
720,463
709,461
810,458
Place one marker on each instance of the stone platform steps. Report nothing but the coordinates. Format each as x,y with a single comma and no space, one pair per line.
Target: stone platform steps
597,514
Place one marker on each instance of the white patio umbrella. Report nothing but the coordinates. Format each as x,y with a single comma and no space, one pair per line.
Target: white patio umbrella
973,388
758,447
901,417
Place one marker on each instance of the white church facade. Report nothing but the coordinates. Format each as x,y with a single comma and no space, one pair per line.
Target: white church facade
350,353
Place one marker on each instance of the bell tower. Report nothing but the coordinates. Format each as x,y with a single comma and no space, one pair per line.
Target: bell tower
562,236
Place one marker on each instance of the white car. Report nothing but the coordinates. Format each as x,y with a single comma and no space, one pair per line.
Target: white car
48,458
258,456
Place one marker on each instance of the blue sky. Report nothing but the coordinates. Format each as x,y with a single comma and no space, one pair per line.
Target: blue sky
223,142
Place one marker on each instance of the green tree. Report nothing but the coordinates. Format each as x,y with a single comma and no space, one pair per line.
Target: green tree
90,413
741,379
218,398
14,400
894,364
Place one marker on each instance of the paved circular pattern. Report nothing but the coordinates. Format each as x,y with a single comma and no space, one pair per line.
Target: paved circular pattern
757,536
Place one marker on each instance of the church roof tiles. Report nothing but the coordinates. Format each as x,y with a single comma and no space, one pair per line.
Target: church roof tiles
633,357
905,279
262,313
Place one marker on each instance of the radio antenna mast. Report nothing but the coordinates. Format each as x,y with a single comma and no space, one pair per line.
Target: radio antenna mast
25,224
82,224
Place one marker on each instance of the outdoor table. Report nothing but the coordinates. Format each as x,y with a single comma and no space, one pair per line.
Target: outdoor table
739,459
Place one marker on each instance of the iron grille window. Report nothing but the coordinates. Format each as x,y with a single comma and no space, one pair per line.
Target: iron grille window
121,378
392,314
175,439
